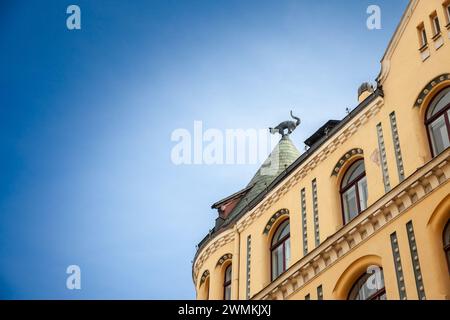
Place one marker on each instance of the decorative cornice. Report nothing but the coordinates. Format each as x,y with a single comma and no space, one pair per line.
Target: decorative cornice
223,259
412,190
344,158
225,237
273,219
322,153
429,87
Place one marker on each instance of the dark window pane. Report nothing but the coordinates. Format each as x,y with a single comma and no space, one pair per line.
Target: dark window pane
353,172
439,135
441,101
228,274
369,286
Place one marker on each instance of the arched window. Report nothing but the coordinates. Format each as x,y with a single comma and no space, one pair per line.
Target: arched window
437,122
205,289
370,286
447,243
354,191
227,284
280,249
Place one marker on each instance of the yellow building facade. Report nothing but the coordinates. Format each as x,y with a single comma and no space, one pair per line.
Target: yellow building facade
364,212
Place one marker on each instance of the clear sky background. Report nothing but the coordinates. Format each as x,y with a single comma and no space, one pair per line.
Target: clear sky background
86,119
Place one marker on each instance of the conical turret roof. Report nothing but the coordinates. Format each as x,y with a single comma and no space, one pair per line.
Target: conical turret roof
282,156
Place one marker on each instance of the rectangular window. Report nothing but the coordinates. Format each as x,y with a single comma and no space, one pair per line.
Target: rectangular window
435,23
446,6
448,13
422,35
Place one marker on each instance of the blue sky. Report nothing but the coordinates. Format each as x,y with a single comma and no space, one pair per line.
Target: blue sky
86,118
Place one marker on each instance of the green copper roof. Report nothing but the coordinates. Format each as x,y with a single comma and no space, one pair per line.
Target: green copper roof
282,156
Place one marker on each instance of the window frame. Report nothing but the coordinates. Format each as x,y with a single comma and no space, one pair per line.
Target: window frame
436,25
429,121
447,13
423,38
352,183
273,247
227,283
446,246
374,296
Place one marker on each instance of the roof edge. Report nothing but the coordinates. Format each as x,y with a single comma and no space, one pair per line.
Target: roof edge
305,156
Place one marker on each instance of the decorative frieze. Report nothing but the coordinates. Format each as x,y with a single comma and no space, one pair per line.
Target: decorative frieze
223,259
415,261
344,158
273,219
304,221
398,267
383,157
315,212
397,149
433,83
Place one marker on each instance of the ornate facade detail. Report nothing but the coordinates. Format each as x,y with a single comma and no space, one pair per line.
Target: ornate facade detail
344,158
249,250
415,261
219,241
304,222
273,219
323,153
223,259
326,150
397,149
398,267
204,276
433,83
393,204
315,213
383,158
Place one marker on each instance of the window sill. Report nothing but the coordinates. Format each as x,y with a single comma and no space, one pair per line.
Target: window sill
423,48
436,36
448,26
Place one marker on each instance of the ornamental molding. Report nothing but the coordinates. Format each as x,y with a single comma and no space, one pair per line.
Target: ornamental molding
219,241
204,276
414,189
429,87
327,149
349,154
273,219
223,259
